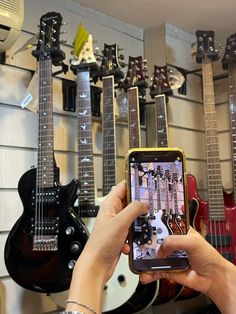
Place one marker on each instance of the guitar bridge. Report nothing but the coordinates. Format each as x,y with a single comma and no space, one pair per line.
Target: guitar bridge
45,243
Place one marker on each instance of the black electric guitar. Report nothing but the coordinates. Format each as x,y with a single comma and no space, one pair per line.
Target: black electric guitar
45,242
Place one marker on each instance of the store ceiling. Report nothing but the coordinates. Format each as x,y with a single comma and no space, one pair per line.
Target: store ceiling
190,15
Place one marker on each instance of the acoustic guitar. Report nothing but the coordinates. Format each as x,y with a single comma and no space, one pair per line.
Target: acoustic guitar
45,242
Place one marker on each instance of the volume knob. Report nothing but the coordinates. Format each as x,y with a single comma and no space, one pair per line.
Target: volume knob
70,230
75,247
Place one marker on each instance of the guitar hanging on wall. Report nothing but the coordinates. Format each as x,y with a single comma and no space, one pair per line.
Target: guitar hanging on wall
84,66
215,221
110,74
144,295
45,242
229,64
160,89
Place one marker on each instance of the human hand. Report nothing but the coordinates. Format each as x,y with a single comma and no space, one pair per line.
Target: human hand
107,240
205,262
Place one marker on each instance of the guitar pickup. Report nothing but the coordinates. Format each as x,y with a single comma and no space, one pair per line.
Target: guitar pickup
219,240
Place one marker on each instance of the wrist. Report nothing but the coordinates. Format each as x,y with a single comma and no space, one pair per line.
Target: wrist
86,287
223,287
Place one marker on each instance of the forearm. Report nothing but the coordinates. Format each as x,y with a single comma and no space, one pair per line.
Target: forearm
223,290
86,288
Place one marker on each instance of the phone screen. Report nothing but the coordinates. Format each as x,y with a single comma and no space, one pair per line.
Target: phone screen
157,177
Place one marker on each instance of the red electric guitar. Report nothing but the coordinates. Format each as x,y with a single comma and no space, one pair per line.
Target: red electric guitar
215,221
168,289
229,64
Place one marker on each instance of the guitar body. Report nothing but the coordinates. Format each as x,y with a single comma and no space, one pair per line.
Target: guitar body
196,203
45,270
220,234
202,223
228,199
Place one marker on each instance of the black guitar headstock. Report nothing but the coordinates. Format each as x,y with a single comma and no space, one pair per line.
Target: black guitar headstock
111,64
230,52
206,46
48,44
136,74
160,82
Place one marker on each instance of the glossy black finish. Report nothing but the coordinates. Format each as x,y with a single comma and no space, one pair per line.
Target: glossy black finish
45,271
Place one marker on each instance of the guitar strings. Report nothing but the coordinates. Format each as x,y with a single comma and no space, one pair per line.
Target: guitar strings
216,203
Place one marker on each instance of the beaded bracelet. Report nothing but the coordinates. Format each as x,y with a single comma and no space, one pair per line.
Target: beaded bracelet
83,305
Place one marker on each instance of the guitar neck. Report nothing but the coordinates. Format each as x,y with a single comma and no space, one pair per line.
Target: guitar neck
150,194
161,121
232,110
215,195
85,139
136,183
133,117
108,127
45,167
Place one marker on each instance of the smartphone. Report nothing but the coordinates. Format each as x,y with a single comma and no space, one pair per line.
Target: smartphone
157,176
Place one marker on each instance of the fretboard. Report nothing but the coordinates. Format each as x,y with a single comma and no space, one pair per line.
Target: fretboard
85,140
150,194
108,129
45,167
133,117
232,110
214,178
161,121
136,183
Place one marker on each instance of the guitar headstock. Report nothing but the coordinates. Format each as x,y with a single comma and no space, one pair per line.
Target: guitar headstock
83,55
48,43
174,177
230,52
206,46
160,82
159,171
111,64
136,74
150,168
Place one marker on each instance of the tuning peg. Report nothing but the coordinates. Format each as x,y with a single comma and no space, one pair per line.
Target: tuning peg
63,32
63,41
64,23
121,57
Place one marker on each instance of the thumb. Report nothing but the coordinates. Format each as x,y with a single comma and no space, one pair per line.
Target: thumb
131,212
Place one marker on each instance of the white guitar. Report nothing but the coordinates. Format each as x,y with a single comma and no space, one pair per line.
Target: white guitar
122,285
